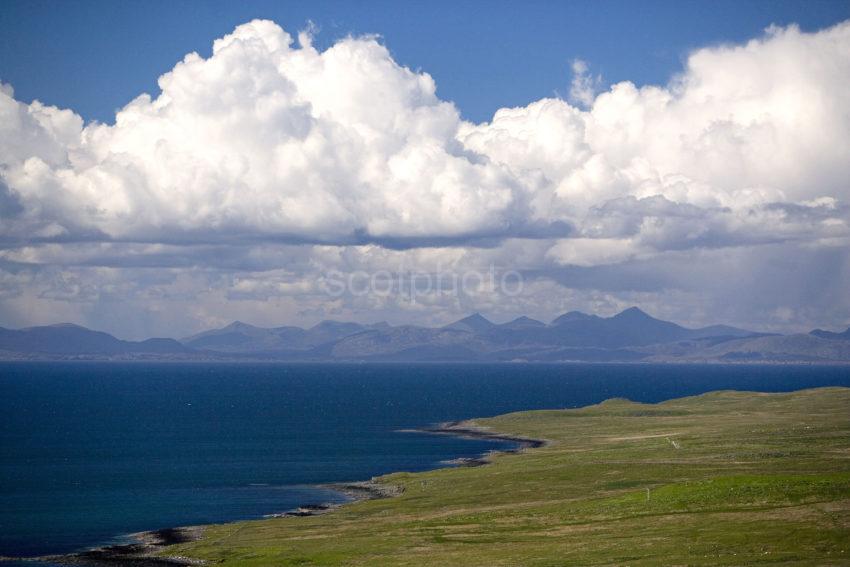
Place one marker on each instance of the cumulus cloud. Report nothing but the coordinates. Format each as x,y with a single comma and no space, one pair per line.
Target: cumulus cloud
262,139
741,130
266,139
276,161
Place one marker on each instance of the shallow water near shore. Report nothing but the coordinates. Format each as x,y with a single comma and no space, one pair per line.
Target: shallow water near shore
91,451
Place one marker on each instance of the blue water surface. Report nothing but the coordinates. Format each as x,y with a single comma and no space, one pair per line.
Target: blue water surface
90,452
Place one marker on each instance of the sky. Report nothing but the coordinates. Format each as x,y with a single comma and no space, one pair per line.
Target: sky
96,56
168,167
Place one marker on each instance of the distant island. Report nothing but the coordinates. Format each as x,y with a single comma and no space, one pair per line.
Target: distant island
629,336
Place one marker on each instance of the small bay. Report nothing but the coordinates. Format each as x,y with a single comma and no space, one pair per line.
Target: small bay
90,452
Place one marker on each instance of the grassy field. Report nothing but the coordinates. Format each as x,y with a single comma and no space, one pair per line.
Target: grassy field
722,478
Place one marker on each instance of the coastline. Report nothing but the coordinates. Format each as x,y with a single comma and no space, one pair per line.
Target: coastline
141,553
145,549
466,430
590,495
621,482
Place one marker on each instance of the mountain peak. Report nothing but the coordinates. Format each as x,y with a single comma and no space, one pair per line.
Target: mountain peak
65,326
522,323
476,317
474,322
633,313
526,321
830,335
571,316
240,326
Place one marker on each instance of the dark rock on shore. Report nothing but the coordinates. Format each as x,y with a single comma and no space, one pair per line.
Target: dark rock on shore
142,553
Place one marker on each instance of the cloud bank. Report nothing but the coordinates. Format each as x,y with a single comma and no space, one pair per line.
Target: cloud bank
257,169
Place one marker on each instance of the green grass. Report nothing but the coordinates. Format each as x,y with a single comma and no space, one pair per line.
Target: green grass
723,478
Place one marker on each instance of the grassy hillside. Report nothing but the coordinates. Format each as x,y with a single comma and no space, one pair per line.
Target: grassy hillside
723,478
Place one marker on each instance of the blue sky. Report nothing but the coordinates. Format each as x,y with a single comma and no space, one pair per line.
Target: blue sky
95,56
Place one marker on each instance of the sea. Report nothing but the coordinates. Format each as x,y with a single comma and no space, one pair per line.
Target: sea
91,452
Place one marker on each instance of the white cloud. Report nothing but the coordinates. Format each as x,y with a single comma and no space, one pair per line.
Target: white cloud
268,140
593,251
248,159
261,139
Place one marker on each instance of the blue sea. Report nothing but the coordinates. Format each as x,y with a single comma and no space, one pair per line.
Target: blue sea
90,452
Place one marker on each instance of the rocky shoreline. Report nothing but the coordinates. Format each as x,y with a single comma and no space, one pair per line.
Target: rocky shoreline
141,553
146,547
465,430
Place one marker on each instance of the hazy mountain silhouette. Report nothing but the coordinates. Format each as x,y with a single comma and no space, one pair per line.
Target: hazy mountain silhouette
843,336
521,323
67,339
240,337
631,335
475,323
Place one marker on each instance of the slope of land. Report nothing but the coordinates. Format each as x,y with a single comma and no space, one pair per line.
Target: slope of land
722,478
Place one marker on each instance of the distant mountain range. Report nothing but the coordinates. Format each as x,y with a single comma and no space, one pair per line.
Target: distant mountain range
629,336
